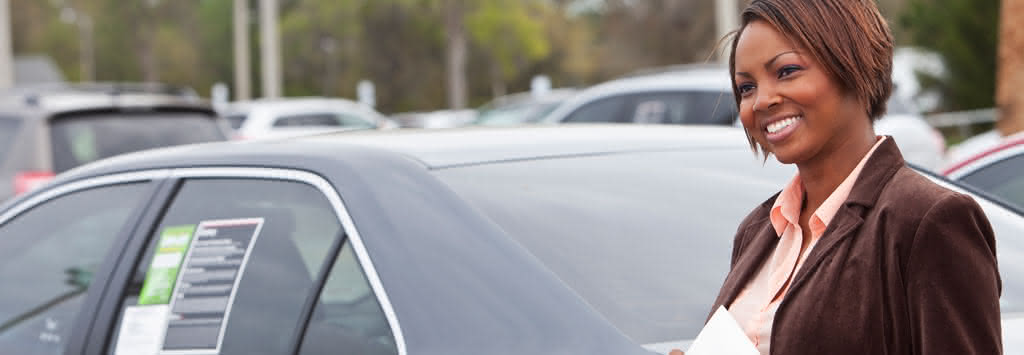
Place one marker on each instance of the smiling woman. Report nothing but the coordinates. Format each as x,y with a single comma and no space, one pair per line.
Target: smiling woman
858,254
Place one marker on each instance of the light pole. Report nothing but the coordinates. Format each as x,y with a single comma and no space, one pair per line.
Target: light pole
243,84
6,57
270,49
726,20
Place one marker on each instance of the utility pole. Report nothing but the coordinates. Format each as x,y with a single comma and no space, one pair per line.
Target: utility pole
6,57
1010,68
726,20
271,49
243,84
455,31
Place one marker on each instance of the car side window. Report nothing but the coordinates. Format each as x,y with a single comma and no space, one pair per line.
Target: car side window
1001,179
603,110
48,255
659,108
347,318
691,107
352,121
310,119
229,268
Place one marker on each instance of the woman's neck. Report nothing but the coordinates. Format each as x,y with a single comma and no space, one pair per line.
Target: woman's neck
821,176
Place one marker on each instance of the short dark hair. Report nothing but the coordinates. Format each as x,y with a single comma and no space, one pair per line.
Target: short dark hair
850,38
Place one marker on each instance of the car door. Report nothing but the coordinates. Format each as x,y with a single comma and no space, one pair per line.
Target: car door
54,253
238,263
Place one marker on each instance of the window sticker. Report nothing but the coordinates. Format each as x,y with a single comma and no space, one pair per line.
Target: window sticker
163,270
142,330
206,286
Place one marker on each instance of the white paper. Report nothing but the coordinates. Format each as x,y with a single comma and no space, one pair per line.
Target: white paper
722,335
142,330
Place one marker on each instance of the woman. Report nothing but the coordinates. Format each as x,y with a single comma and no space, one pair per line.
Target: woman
858,254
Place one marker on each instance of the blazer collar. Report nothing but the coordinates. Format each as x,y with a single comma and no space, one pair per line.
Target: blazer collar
880,167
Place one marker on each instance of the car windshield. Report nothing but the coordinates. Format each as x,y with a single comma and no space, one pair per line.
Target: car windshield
8,128
80,139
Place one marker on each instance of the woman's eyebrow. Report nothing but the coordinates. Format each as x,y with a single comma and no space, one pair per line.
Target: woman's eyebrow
772,61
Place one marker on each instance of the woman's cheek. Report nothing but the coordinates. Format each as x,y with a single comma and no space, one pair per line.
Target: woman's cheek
747,118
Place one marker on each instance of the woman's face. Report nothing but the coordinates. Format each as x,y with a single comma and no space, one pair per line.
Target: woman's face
788,103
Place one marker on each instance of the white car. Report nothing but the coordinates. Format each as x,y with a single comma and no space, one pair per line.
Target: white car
702,94
297,116
694,94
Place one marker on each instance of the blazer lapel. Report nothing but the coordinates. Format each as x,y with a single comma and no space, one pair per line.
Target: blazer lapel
876,174
843,225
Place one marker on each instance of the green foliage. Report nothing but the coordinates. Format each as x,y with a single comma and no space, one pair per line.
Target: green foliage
508,33
965,33
330,45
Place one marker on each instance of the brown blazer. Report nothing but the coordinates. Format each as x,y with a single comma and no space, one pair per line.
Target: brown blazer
905,267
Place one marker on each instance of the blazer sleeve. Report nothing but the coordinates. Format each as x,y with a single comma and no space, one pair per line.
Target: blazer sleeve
953,281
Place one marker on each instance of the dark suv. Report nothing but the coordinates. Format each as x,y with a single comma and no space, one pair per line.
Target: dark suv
47,130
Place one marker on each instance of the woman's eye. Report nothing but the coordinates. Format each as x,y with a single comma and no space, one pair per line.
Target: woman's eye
787,70
745,89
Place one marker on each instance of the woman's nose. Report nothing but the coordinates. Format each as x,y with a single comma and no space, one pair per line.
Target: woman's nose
766,99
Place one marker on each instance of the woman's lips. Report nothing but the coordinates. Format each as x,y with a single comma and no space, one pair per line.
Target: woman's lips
780,130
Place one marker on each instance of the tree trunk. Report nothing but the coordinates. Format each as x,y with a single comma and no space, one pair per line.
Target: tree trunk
455,32
1010,69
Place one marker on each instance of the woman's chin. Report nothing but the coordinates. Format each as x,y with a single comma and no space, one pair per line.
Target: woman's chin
786,156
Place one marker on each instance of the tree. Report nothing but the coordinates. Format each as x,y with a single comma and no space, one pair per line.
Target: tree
1011,68
510,37
964,32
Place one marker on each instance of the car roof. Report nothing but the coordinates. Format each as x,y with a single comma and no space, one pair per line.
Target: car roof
435,149
55,99
704,78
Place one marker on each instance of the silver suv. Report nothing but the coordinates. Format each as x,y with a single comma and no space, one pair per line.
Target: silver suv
47,130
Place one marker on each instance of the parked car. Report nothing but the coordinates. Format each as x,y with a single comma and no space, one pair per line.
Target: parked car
521,108
975,145
46,130
535,240
998,171
297,116
700,94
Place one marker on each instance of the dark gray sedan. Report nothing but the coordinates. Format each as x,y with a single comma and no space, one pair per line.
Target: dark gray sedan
543,240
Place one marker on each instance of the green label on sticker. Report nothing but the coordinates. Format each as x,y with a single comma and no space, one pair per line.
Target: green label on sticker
163,270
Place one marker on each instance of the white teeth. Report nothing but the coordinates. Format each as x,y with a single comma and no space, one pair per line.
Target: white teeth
781,124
